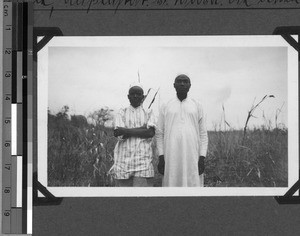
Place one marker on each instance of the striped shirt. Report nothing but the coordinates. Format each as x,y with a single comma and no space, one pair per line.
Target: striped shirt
133,154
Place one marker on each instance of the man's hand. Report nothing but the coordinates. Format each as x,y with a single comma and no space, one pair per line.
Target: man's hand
119,131
161,165
201,165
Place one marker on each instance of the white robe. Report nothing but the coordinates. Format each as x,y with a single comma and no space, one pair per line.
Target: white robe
182,138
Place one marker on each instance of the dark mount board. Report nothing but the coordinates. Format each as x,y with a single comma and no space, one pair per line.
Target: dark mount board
49,33
170,215
286,33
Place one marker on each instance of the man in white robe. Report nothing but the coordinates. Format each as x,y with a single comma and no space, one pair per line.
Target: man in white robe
182,139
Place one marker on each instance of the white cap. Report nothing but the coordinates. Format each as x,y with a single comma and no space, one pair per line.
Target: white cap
134,84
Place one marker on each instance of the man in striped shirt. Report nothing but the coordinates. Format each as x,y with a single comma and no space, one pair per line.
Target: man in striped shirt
134,127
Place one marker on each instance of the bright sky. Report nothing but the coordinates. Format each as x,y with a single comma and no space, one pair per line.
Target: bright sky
87,78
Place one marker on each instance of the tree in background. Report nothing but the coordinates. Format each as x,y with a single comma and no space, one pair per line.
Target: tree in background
101,116
80,153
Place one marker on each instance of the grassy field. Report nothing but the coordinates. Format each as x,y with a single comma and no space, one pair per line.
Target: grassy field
81,154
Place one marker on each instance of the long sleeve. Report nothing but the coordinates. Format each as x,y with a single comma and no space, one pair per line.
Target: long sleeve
119,119
151,122
119,122
160,131
202,133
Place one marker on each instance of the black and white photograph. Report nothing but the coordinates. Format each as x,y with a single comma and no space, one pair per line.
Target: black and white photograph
212,115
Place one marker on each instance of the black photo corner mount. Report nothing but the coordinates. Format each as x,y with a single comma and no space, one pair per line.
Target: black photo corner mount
47,33
49,198
286,32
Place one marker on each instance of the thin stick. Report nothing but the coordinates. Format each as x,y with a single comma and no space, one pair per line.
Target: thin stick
139,77
153,98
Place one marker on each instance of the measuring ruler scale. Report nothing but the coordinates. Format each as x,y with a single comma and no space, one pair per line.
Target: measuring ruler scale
16,169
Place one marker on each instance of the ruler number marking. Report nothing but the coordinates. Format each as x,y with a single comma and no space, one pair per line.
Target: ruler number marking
7,190
7,74
7,166
7,144
7,51
5,11
6,213
7,121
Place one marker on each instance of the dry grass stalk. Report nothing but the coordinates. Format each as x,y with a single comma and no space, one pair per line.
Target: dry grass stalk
224,118
278,111
250,113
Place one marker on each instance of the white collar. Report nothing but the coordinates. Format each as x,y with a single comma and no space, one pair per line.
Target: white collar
134,109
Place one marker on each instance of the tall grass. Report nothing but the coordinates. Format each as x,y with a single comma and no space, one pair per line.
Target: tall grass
259,159
81,154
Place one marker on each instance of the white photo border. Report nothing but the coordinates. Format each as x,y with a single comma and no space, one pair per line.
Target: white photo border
170,41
